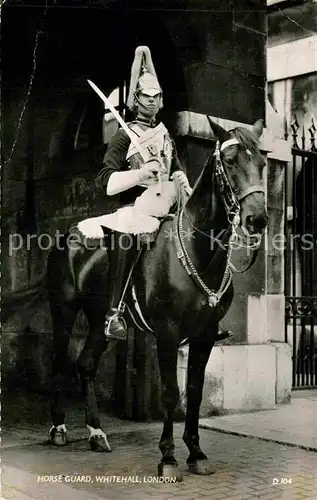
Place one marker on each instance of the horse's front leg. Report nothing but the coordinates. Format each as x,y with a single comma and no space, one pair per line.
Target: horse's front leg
88,362
167,355
199,353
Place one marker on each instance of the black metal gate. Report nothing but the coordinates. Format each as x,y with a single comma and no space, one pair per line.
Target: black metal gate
301,256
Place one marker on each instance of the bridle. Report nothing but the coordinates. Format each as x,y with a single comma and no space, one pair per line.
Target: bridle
231,202
230,197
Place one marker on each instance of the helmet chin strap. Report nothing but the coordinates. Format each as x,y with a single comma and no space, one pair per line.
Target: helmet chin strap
150,121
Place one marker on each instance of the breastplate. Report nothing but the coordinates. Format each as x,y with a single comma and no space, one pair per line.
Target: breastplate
156,143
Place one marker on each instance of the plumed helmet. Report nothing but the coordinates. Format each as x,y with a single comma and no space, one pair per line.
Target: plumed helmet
148,84
143,76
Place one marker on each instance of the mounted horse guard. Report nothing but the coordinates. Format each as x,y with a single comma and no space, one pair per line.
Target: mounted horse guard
182,283
142,166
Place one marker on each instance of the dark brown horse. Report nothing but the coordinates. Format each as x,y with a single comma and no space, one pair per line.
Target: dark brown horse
177,304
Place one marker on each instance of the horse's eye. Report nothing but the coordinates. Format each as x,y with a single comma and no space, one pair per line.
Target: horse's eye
230,162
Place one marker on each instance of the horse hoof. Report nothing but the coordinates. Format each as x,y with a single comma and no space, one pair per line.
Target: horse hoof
201,467
58,437
99,444
169,471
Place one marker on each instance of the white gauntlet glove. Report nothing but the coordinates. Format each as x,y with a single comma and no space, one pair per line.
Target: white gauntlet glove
181,178
149,170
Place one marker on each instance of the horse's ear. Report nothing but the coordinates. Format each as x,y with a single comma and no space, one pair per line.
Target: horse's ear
219,132
258,128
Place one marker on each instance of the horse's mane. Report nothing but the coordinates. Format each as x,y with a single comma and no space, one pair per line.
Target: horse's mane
247,139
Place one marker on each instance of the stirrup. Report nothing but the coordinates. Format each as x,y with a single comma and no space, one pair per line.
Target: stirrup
115,325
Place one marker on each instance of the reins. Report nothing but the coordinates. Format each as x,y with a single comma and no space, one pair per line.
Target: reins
183,256
232,208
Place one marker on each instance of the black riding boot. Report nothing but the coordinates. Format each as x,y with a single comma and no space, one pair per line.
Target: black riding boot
123,254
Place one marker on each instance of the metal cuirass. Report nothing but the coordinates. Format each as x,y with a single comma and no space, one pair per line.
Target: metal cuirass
157,144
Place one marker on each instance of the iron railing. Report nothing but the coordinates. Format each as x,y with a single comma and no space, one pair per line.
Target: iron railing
301,256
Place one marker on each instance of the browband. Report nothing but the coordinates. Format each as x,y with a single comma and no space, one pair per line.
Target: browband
229,142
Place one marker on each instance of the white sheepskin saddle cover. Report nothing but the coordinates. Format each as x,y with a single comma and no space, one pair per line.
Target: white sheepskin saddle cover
139,219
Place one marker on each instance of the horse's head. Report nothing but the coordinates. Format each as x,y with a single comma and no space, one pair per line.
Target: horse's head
243,164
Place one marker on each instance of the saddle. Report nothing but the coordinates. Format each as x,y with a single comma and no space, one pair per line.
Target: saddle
143,219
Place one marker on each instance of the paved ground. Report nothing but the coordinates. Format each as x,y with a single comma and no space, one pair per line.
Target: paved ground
294,424
244,468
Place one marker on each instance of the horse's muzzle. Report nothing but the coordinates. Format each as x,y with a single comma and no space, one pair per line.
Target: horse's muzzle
255,224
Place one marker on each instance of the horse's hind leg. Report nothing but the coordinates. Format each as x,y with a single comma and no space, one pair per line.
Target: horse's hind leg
88,362
167,356
63,317
199,353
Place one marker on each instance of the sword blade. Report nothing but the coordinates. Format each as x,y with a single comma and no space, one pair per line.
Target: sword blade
117,116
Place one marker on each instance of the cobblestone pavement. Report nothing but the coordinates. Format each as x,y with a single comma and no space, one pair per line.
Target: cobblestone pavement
244,468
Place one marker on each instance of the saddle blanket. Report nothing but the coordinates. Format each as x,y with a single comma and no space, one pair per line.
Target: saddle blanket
142,218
